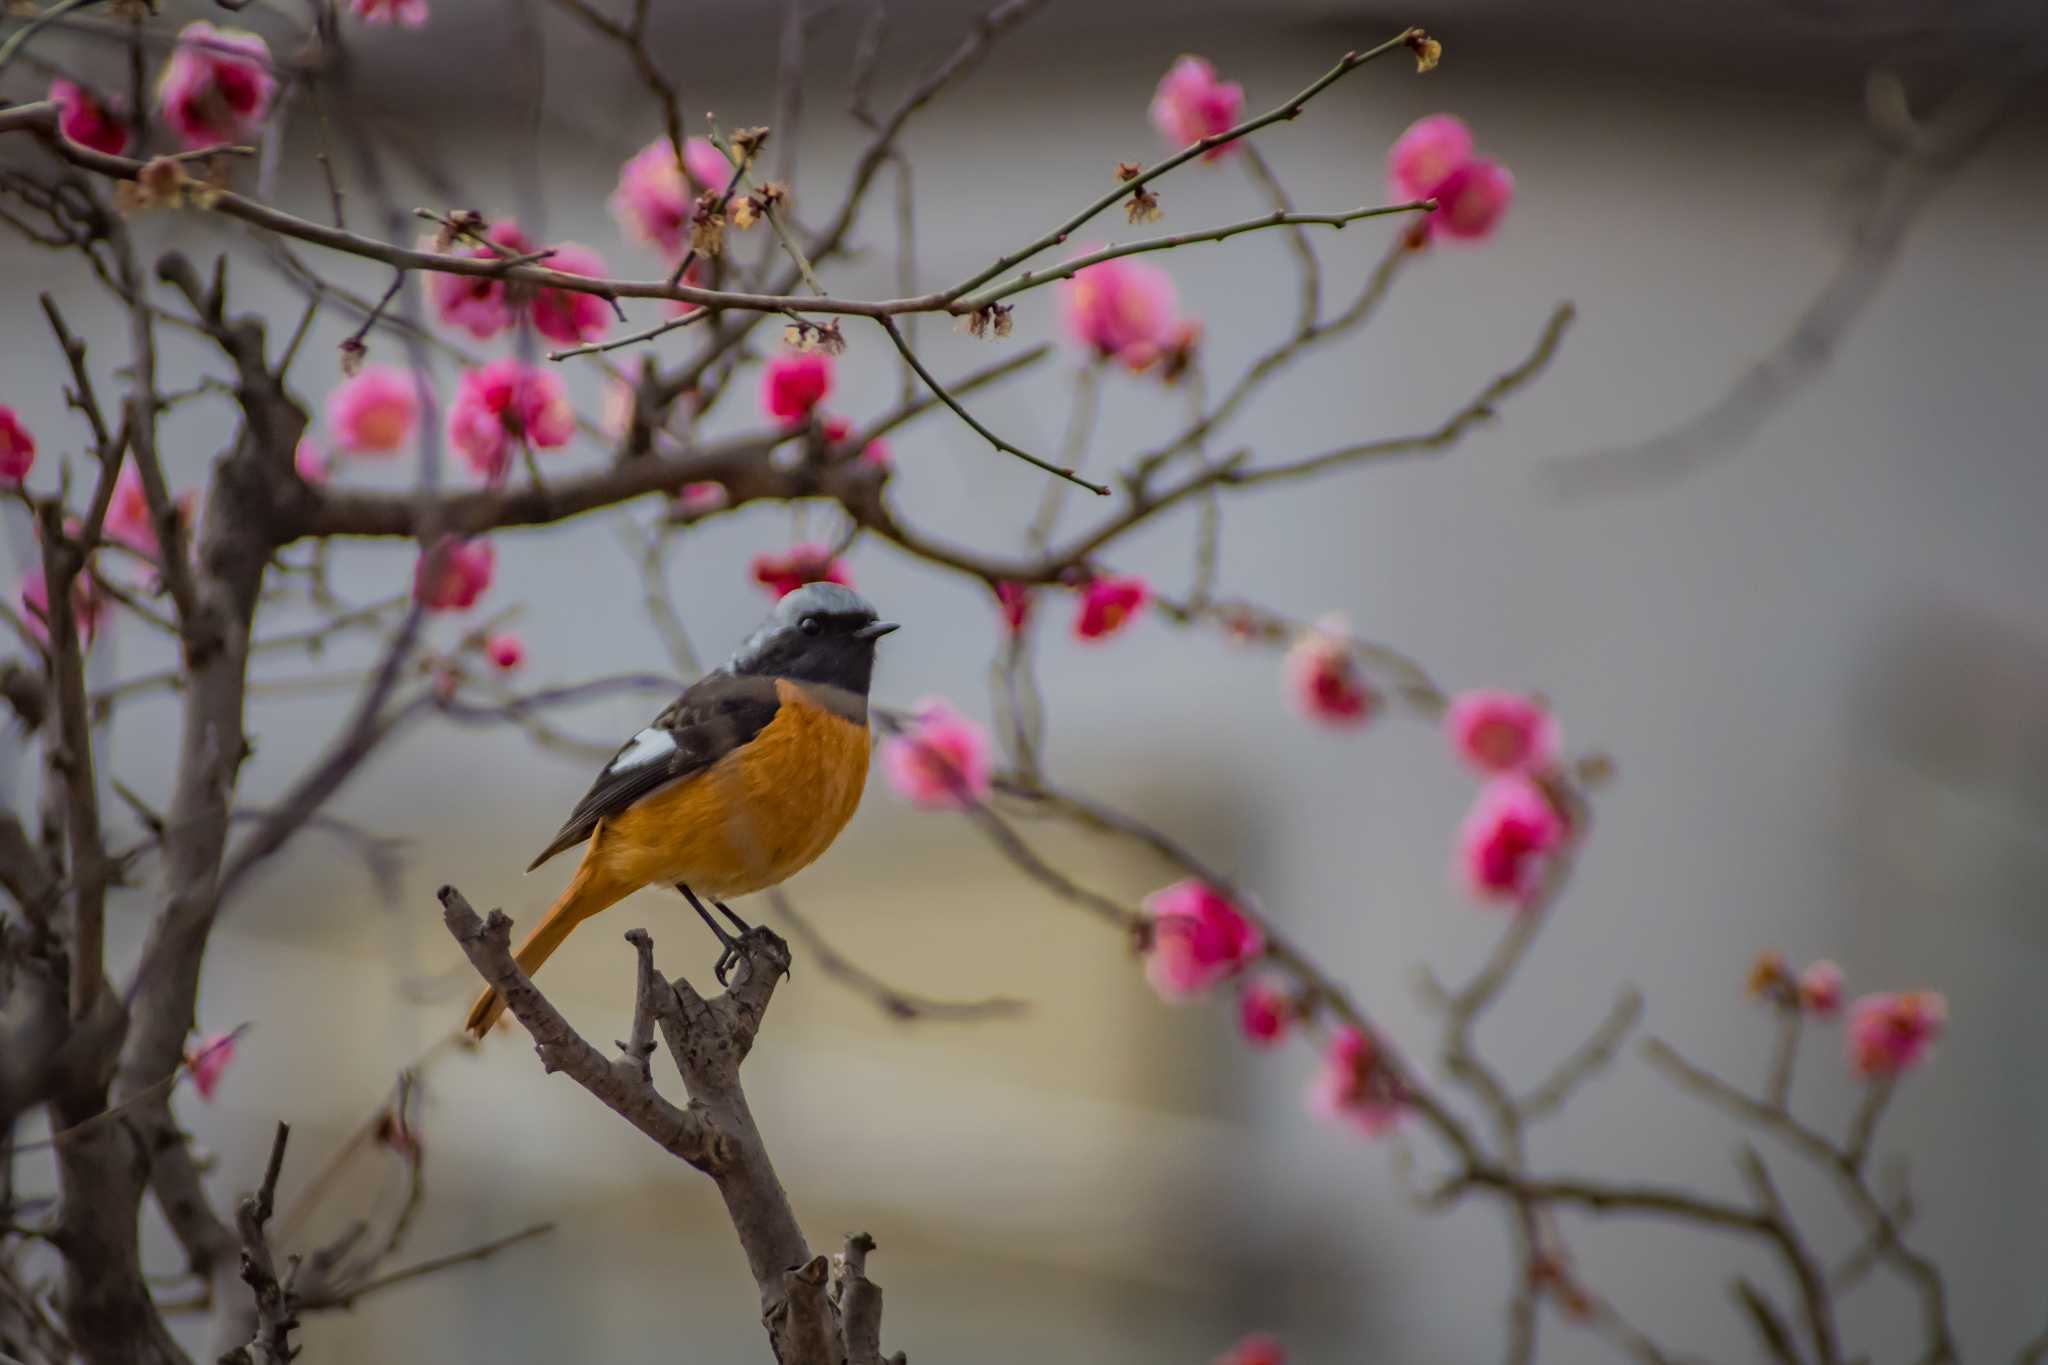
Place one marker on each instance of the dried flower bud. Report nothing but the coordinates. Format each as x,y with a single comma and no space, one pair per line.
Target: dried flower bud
707,225
804,335
161,183
1142,206
353,352
1769,978
748,141
457,225
1128,170
994,318
773,195
745,210
1428,51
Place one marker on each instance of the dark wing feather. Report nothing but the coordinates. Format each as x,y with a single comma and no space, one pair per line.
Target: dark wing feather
719,713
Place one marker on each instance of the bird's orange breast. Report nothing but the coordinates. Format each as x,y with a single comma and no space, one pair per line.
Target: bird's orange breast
756,817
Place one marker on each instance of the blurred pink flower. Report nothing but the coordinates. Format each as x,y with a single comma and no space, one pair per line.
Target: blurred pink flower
217,86
1192,104
1324,676
208,1062
1014,600
374,413
1820,988
838,430
128,519
88,607
1473,199
1424,157
17,448
1256,1349
479,304
501,402
1508,839
942,761
505,650
1265,1012
1121,310
696,499
564,316
454,574
1108,605
783,574
1354,1086
1503,732
1434,159
1891,1033
793,383
88,120
655,197
409,13
1199,938
312,465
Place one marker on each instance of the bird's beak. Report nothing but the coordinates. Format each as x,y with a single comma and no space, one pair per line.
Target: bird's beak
874,630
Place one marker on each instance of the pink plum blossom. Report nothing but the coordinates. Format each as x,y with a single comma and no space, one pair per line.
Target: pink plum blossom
217,86
480,304
208,1062
505,650
454,574
1820,988
384,13
311,462
87,119
374,413
1199,938
1434,160
1503,732
655,197
783,574
1508,840
1192,104
1473,199
1108,605
1265,1013
793,383
942,761
1892,1033
17,448
697,499
838,430
564,316
1014,600
1424,157
1121,310
502,402
128,516
1354,1086
1324,678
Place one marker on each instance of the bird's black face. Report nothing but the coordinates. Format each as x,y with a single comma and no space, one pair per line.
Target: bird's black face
822,634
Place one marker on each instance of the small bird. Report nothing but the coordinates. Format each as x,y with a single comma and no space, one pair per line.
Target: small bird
738,785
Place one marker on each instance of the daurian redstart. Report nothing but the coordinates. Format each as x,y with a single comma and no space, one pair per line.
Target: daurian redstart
743,781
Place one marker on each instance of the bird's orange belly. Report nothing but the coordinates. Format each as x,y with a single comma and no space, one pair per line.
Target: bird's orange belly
756,817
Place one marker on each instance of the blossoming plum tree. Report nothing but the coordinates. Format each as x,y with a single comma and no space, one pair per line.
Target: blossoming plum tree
106,1052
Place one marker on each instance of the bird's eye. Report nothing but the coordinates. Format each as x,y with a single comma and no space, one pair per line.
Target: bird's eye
809,625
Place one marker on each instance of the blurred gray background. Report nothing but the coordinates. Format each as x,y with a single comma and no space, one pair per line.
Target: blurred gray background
1820,662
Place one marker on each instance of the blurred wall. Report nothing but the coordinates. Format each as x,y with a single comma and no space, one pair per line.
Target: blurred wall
1820,664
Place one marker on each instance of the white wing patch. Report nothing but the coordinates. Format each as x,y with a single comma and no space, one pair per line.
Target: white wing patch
652,745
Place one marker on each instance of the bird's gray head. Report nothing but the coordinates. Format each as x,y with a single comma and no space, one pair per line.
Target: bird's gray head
821,633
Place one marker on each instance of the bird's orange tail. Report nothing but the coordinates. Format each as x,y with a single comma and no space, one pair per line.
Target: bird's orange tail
588,892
